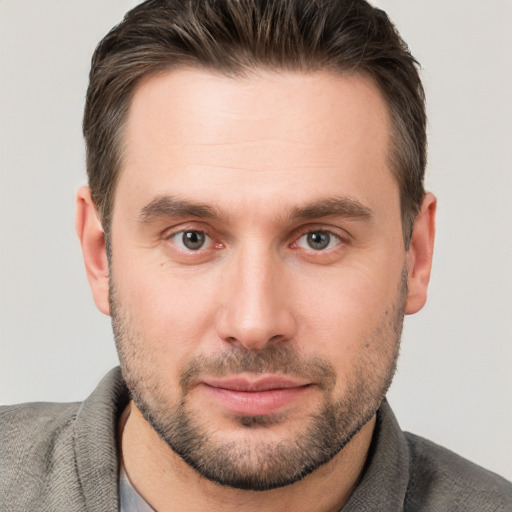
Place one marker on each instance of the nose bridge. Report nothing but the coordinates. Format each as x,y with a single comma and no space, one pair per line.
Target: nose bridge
256,310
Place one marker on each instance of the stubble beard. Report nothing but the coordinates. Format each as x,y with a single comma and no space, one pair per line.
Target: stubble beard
251,463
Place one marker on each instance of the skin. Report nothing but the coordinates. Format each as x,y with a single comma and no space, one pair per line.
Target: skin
256,150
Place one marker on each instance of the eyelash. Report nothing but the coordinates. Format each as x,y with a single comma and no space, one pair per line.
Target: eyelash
200,232
297,236
331,237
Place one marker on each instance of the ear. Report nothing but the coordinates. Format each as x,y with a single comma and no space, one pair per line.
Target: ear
419,255
92,239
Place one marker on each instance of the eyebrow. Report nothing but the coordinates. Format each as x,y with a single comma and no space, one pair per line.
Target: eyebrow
162,207
168,207
333,207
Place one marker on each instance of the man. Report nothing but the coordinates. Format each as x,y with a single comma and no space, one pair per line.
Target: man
256,226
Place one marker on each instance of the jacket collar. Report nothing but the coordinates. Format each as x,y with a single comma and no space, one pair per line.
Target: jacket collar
385,479
383,484
96,443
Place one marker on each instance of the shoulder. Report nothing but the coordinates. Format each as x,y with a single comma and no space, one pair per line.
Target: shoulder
63,456
32,423
35,412
36,440
443,480
28,432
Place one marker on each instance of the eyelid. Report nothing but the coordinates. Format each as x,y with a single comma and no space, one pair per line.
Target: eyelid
170,233
183,227
343,235
334,242
177,242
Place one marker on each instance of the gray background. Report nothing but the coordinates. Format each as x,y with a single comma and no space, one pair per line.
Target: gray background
454,383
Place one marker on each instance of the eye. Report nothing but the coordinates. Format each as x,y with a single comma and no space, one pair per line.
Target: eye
318,240
191,240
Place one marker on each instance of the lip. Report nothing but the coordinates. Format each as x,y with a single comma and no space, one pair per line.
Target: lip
256,396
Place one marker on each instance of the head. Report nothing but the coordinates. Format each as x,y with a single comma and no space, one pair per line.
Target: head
256,170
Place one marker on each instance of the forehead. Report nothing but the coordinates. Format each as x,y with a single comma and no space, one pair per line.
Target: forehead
261,136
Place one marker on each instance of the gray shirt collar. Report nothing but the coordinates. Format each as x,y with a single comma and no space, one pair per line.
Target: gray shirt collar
129,499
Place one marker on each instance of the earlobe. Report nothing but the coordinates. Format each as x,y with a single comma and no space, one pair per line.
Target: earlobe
419,255
92,239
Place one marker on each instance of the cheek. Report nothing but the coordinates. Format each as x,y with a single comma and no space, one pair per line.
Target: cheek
170,313
164,325
343,311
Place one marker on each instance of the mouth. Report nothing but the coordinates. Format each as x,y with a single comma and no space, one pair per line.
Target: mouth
256,396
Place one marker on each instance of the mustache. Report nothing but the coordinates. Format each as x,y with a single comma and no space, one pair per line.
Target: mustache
279,359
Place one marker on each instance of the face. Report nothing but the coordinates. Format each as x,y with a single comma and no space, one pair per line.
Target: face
258,280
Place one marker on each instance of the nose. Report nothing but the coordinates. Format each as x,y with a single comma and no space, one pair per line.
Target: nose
256,307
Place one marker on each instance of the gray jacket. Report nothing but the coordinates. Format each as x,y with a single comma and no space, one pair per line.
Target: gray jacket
64,458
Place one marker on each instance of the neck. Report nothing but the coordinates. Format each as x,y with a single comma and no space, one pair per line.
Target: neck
169,484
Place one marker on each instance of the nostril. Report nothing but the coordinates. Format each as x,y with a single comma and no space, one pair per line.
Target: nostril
278,338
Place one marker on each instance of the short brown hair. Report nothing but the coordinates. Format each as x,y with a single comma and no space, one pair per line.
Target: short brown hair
235,36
